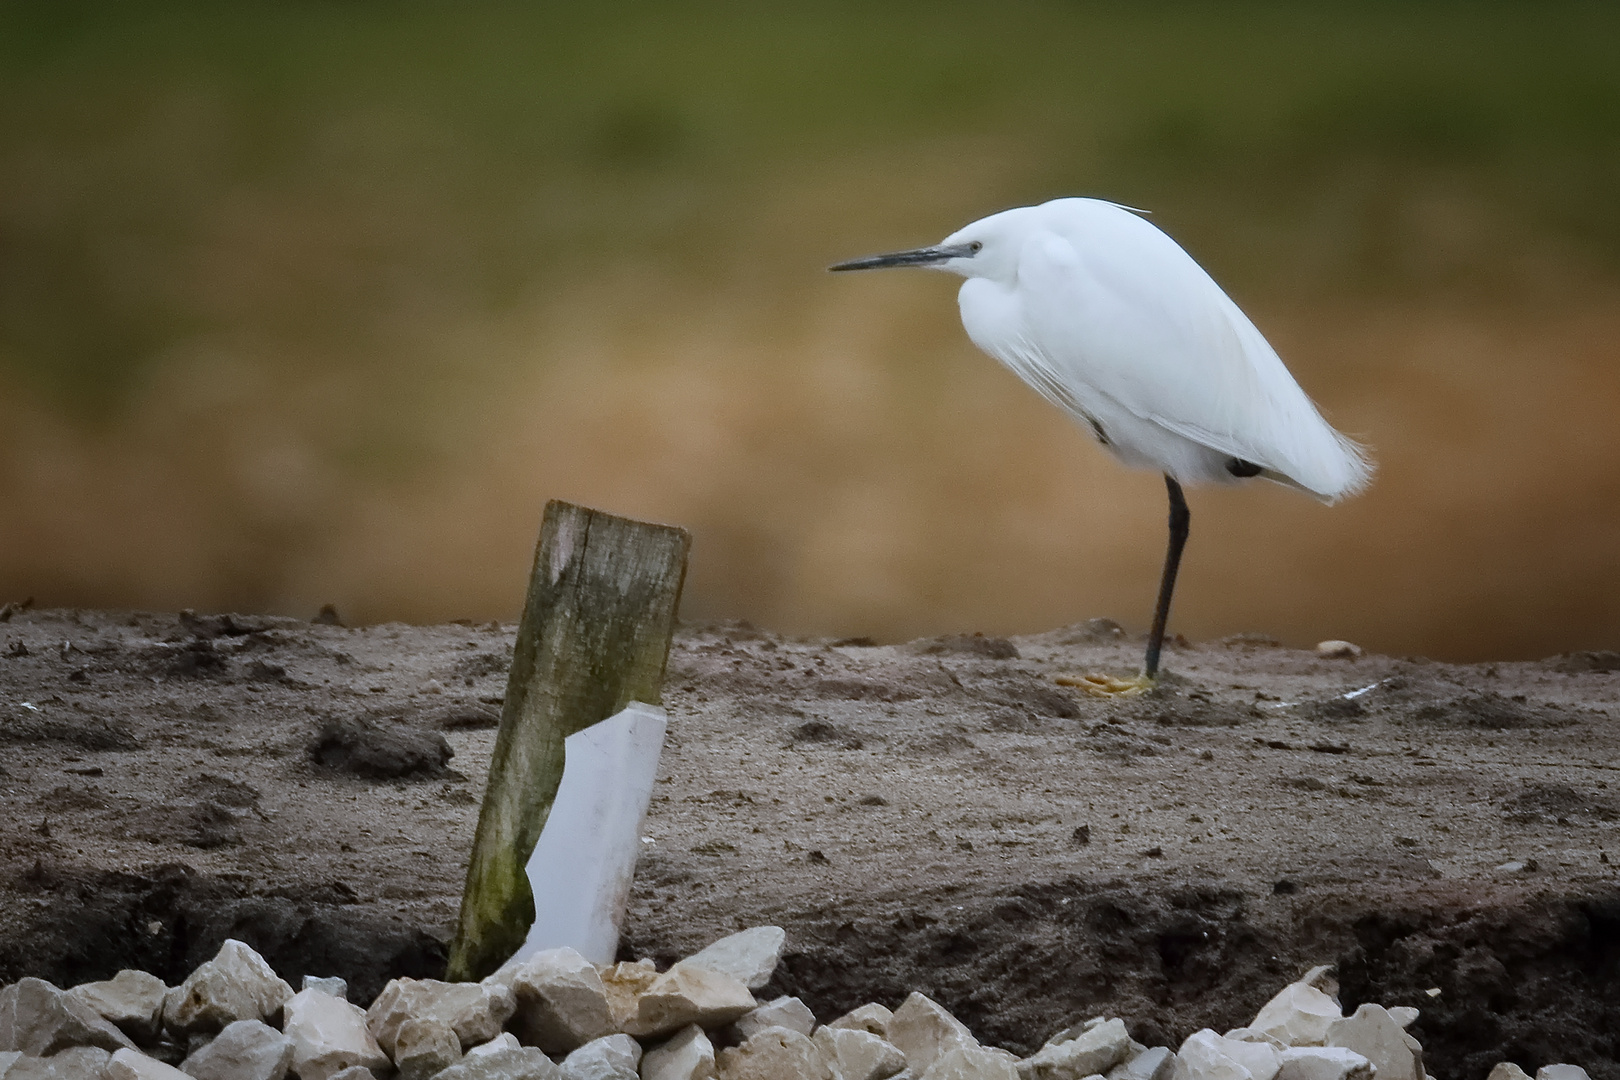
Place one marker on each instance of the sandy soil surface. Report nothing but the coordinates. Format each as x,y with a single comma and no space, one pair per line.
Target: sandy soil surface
941,816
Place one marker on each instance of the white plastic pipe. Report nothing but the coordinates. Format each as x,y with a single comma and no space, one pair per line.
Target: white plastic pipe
585,860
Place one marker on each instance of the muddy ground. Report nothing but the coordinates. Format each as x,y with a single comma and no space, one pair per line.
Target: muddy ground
940,816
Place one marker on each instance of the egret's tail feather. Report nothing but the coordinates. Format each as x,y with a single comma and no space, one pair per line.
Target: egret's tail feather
1332,477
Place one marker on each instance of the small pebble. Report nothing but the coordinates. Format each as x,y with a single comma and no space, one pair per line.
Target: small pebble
1519,866
327,984
1562,1072
1338,650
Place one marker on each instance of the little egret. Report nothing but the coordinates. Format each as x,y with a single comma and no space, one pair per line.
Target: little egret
1110,320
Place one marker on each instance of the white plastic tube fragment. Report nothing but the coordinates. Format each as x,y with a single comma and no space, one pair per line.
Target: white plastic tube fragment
585,859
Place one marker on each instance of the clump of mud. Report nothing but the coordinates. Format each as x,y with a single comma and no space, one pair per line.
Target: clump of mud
380,750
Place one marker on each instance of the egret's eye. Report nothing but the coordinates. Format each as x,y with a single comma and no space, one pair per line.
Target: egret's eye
975,247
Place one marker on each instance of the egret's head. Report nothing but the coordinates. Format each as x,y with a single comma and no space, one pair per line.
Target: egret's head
982,249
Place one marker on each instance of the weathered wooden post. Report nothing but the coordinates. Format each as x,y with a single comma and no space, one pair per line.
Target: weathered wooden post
594,637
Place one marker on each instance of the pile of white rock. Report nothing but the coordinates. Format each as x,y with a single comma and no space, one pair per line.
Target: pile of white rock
556,1016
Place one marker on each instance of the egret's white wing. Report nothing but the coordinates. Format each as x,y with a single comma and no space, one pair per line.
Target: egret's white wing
1107,305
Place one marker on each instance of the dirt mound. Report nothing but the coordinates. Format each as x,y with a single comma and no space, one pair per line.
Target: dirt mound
169,918
1534,981
945,816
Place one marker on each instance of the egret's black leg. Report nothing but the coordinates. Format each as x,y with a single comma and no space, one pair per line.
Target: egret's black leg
1179,520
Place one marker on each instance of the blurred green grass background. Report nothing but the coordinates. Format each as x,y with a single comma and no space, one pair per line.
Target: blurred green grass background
318,301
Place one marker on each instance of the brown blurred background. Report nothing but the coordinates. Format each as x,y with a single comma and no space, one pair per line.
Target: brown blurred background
320,301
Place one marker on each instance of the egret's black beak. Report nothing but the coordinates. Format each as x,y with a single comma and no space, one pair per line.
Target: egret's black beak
928,256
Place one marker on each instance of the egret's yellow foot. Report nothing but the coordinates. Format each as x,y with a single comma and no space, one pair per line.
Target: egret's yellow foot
1109,686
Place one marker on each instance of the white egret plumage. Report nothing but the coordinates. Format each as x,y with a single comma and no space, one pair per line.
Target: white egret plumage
1110,320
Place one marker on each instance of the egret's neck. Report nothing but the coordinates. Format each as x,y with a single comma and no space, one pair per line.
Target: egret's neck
990,313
